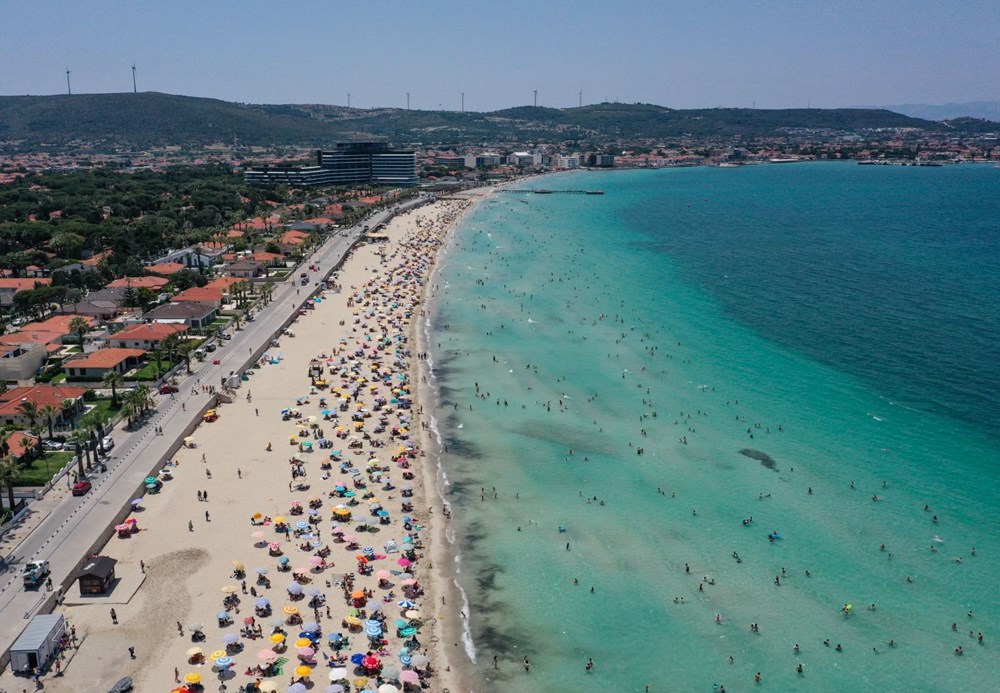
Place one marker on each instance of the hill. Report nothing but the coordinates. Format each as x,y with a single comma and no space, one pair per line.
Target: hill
116,122
989,110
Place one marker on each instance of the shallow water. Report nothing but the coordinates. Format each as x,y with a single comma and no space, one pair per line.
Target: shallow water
730,309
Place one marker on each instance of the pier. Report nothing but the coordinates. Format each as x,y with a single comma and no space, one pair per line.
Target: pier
546,191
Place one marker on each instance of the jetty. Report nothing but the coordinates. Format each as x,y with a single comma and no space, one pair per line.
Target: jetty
546,191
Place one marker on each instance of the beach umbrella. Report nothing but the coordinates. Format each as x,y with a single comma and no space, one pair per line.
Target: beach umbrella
314,591
357,659
223,662
196,626
222,615
305,652
284,560
193,677
238,566
383,575
409,582
419,661
136,502
303,642
310,627
257,536
262,602
218,653
303,670
267,655
260,571
407,632
412,614
315,561
277,637
370,662
290,609
334,688
294,588
230,589
405,604
193,652
360,682
338,674
405,562
277,623
405,659
387,688
268,687
230,638
297,687
409,676
390,673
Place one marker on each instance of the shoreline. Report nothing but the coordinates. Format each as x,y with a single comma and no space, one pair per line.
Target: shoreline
162,571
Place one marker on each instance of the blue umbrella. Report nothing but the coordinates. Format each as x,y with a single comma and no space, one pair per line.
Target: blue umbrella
262,603
325,412
310,627
357,658
368,551
373,632
405,660
302,525
382,513
335,637
373,623
223,662
405,604
222,614
283,560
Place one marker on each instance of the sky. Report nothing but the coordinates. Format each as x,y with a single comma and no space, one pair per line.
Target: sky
701,53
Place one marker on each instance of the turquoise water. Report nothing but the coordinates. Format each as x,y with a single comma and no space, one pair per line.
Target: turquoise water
841,320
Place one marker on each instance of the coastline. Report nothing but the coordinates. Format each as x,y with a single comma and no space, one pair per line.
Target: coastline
165,576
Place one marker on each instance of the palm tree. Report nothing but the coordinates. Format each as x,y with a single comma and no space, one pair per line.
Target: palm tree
114,380
80,439
28,410
157,356
186,348
49,411
171,347
10,470
67,410
80,327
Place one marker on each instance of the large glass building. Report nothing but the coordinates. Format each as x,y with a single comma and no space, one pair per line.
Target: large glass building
351,163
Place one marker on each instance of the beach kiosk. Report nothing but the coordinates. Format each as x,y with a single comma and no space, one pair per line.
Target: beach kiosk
36,646
97,575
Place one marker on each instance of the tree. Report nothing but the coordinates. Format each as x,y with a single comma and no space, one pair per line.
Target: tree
28,410
79,326
171,346
114,380
67,410
186,348
10,470
49,411
81,440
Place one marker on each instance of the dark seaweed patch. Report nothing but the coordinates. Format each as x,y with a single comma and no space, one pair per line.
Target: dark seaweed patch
761,457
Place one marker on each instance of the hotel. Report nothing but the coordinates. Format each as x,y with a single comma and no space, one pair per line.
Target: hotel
351,163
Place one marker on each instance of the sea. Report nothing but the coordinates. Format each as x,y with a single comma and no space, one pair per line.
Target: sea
722,423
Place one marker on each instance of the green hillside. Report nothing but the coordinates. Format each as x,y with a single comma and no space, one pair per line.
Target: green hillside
110,122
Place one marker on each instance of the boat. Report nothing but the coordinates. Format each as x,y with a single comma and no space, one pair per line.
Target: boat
782,160
595,192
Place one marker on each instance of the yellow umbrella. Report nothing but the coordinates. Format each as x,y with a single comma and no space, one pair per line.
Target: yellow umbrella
303,670
303,642
352,620
360,682
193,652
290,610
230,589
193,677
218,653
238,565
277,637
279,519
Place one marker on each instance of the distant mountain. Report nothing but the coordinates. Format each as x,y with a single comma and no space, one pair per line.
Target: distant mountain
990,110
129,122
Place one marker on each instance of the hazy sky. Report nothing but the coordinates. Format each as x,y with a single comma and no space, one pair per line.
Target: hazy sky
702,53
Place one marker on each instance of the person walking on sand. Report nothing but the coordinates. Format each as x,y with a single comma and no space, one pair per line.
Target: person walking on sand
114,617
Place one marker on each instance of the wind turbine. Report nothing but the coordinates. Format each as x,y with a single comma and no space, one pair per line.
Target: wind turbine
463,102
68,89
536,98
134,89
581,97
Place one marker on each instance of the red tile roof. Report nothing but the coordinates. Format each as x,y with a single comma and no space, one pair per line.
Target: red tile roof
18,443
139,282
151,331
24,284
103,358
40,395
199,294
166,269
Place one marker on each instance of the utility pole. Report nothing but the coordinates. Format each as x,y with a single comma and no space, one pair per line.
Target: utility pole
463,102
407,100
348,99
134,89
68,89
581,98
536,98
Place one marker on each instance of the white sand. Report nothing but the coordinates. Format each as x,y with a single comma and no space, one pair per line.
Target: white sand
186,570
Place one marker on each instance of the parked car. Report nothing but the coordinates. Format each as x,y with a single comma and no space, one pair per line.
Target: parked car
107,443
52,445
210,347
81,488
167,388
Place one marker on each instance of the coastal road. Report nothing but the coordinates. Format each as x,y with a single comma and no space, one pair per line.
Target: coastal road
74,525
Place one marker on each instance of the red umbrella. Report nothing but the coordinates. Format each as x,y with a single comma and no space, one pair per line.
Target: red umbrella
370,663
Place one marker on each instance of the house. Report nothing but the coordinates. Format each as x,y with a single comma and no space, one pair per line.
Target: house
194,315
21,361
200,294
41,396
224,284
165,269
97,575
22,446
295,238
10,287
97,363
246,268
146,336
151,283
103,304
269,259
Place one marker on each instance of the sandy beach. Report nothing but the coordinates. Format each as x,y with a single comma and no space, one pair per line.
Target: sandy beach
313,484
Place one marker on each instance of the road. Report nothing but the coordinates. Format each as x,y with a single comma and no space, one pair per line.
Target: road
77,525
